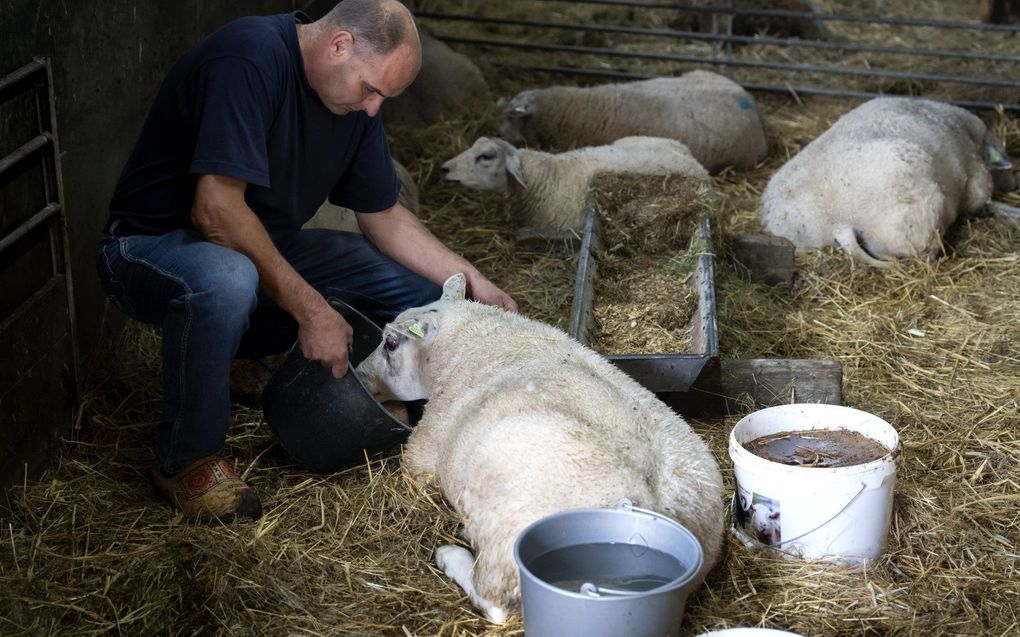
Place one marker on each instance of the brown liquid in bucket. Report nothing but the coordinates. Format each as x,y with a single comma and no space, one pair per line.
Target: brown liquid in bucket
823,448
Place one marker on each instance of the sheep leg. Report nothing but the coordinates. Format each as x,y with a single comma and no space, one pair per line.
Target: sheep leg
1003,211
458,563
846,238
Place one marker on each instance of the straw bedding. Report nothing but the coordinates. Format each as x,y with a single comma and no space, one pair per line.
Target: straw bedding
930,347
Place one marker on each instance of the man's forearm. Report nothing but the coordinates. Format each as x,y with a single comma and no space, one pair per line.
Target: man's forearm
224,218
401,236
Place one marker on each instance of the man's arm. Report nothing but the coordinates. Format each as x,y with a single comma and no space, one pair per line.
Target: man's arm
401,236
221,214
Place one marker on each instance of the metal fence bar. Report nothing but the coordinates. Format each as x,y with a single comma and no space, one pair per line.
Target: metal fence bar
779,13
22,73
33,222
25,150
712,37
798,90
672,57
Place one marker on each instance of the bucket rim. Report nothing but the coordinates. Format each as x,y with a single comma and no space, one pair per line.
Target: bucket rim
669,586
738,451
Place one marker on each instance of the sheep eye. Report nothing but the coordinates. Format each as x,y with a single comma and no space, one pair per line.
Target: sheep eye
488,156
391,342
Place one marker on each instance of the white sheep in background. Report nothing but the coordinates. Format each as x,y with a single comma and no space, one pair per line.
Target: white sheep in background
712,115
447,84
887,180
522,422
334,217
549,190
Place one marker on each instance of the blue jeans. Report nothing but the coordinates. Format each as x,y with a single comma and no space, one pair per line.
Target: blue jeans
206,299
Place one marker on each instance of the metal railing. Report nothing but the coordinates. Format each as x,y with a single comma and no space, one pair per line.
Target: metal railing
839,66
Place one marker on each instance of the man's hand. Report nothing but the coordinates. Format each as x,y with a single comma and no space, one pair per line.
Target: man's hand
326,337
485,291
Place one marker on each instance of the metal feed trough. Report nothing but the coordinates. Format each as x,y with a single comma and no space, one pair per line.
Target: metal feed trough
700,380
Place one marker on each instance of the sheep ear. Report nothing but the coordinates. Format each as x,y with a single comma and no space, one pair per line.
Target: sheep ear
994,158
513,165
455,288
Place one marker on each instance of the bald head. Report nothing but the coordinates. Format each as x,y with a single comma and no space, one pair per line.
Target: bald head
380,27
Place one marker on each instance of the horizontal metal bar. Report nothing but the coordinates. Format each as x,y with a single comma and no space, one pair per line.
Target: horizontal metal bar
31,224
714,37
671,57
800,90
25,150
779,13
22,73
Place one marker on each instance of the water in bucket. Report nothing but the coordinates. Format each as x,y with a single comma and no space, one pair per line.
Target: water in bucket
607,568
606,573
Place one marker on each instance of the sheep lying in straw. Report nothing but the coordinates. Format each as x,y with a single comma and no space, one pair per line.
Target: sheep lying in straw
522,422
549,190
714,116
887,180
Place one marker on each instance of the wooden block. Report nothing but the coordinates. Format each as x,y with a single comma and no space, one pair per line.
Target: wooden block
766,382
768,259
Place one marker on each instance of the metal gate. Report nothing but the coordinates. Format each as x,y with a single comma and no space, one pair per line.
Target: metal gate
967,62
38,340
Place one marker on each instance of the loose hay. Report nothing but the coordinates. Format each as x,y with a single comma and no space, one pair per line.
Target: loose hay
645,293
930,347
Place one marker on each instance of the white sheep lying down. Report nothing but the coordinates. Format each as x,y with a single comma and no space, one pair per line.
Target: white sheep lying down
549,190
522,422
714,116
886,180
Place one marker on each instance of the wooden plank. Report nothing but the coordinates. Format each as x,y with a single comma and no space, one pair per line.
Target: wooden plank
768,259
767,382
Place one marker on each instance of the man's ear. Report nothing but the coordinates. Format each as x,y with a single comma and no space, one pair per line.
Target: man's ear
341,44
455,288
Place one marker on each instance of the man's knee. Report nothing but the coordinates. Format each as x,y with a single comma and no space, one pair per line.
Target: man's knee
227,288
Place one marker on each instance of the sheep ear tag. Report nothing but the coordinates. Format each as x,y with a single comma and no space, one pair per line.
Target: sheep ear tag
455,288
995,159
416,329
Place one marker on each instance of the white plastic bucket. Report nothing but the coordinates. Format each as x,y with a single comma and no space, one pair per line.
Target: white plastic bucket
813,512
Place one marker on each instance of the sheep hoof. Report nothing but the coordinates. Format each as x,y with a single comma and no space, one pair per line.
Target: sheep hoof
458,563
495,614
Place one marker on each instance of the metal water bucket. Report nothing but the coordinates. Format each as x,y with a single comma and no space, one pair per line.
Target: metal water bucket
605,573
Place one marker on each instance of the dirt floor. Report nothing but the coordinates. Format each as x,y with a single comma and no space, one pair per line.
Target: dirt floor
931,347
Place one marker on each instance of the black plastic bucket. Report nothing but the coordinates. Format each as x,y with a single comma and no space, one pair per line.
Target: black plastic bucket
328,424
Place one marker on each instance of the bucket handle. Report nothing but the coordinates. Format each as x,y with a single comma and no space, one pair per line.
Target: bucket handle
626,504
838,513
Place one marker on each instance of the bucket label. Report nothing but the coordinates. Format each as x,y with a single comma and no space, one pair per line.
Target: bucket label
757,516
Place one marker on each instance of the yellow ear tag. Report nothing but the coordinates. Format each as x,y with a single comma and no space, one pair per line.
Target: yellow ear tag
415,328
458,296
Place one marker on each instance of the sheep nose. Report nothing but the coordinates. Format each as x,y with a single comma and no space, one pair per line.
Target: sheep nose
444,171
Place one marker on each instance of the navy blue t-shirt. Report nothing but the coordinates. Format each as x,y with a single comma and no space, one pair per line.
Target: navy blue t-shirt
239,104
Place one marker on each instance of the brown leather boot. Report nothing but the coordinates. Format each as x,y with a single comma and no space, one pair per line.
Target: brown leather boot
208,491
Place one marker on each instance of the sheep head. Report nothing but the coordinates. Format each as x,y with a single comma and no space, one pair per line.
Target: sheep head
485,165
516,114
395,367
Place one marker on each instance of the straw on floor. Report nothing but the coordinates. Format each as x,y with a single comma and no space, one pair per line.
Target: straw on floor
930,347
